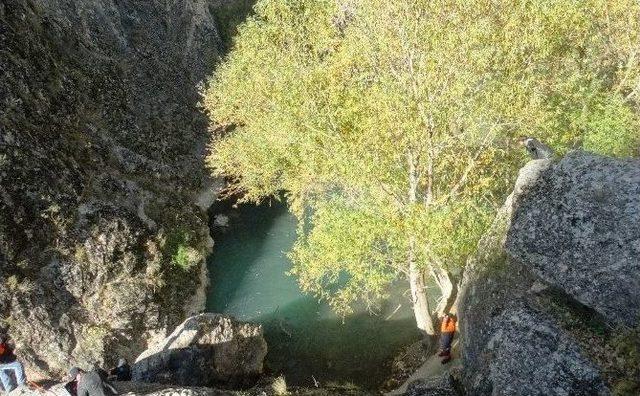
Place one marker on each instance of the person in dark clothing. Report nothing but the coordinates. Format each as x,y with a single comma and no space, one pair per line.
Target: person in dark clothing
90,383
535,148
9,363
122,372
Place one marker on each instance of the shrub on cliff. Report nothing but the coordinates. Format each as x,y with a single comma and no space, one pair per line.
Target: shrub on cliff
389,124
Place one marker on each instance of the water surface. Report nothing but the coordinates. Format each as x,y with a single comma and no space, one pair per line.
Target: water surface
306,339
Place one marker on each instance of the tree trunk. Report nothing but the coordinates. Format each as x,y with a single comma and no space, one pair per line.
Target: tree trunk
419,297
417,281
448,288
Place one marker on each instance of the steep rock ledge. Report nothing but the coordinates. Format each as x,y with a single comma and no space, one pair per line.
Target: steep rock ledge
579,230
208,354
101,165
535,307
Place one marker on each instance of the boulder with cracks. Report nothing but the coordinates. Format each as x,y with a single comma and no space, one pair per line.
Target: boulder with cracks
205,350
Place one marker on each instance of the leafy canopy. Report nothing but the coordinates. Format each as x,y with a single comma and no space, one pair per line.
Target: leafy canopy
390,124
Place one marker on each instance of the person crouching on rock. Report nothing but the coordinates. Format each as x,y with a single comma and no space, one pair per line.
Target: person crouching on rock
90,383
447,331
9,363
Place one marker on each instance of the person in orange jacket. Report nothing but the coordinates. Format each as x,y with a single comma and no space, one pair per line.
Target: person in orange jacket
447,331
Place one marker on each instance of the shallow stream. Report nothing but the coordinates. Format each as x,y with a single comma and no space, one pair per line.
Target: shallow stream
306,340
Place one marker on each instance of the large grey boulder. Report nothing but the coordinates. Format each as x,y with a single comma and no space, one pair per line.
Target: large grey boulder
579,230
528,354
205,350
513,340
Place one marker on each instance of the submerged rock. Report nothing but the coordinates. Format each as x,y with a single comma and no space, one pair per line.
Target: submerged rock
559,264
205,350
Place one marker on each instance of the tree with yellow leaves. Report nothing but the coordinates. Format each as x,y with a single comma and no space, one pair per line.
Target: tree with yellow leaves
389,124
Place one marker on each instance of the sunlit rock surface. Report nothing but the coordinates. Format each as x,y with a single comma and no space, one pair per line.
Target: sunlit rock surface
553,280
135,388
579,229
205,350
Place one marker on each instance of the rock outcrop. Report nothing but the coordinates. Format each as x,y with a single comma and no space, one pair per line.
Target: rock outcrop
101,169
205,350
437,386
537,302
578,229
134,389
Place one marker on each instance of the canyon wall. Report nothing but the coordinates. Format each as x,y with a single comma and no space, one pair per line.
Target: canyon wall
101,169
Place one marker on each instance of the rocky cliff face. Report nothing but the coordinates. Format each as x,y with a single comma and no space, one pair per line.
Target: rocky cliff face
101,163
556,285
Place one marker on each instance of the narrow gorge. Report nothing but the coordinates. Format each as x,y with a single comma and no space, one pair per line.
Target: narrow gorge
307,341
380,140
104,227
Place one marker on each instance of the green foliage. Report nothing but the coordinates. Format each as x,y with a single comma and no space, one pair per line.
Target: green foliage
627,349
451,233
178,248
613,128
390,124
182,257
347,255
229,15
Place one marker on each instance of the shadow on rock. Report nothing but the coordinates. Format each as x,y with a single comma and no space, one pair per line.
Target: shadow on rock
206,350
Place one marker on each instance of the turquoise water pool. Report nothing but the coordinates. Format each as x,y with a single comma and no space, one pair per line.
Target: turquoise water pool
306,340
